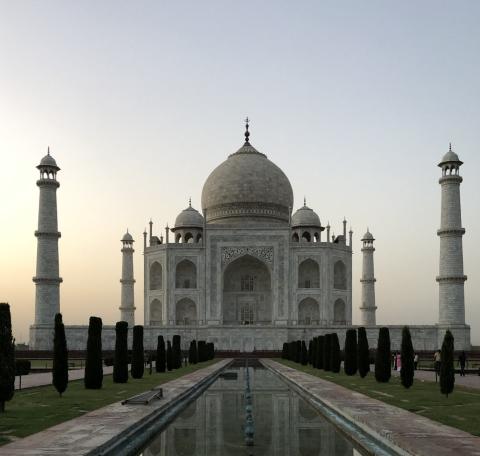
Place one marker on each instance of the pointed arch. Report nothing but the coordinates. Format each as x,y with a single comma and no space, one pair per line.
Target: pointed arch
308,311
340,275
156,312
186,312
308,274
339,316
156,279
186,275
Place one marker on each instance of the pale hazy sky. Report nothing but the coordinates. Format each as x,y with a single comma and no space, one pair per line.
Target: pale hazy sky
139,101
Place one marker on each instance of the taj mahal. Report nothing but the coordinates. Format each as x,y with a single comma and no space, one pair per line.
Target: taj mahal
250,271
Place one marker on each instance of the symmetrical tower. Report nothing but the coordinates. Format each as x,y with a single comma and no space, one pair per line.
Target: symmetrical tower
47,280
451,278
368,308
127,306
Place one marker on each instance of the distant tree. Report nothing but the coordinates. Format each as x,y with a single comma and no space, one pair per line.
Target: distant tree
60,356
327,350
363,354
93,378
285,350
335,359
350,363
304,357
298,353
161,355
169,356
7,357
210,350
407,355
195,351
320,349
202,354
310,352
177,352
447,370
383,366
313,354
120,361
292,351
138,355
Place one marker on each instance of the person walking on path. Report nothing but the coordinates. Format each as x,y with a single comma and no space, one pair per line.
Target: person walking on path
437,358
462,361
415,361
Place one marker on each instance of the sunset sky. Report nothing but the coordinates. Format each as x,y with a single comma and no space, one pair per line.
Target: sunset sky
139,101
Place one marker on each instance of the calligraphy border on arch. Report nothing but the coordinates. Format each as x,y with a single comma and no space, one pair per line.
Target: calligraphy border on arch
262,253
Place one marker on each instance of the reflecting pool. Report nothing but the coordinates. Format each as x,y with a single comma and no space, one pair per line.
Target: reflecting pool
285,424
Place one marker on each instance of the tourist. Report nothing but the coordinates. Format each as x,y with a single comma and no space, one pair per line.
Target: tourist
398,362
415,361
462,361
437,358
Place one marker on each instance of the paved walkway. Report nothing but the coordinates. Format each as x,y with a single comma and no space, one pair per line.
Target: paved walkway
470,380
45,378
403,431
112,423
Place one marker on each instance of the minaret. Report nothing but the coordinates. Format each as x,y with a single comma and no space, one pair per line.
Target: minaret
368,308
127,306
47,280
451,278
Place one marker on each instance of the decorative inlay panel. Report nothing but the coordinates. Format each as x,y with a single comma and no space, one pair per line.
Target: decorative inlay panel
262,253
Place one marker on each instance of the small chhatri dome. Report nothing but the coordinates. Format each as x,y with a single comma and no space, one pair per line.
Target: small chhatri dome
450,157
305,217
48,162
127,237
368,236
247,187
189,218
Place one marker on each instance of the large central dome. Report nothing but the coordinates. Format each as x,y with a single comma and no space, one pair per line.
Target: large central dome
247,187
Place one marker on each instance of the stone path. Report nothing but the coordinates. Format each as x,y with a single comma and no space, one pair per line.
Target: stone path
470,380
45,378
403,431
86,433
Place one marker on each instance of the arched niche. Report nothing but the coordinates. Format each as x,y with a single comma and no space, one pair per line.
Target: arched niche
156,279
185,312
155,312
308,274
247,292
308,311
339,275
186,275
339,315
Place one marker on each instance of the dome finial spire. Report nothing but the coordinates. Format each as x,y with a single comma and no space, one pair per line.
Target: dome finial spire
449,146
247,133
190,202
304,201
48,150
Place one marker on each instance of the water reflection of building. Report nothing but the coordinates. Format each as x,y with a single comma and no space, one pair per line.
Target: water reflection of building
285,424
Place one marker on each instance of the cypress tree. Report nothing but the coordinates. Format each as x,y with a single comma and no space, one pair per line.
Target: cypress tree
138,356
314,351
310,352
285,351
120,362
195,352
7,356
363,354
298,352
93,378
320,345
383,366
304,357
327,349
161,355
60,356
201,351
350,363
292,351
447,370
177,352
407,371
169,356
335,360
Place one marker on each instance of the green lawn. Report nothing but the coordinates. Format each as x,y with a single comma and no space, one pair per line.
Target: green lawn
35,409
460,410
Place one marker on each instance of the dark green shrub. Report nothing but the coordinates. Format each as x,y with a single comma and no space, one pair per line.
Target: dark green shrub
407,370
93,378
169,356
335,359
177,352
363,354
313,354
320,348
109,361
202,354
285,351
120,362
447,370
304,356
138,356
327,352
310,352
292,351
161,355
350,352
298,353
7,357
383,366
60,356
22,366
